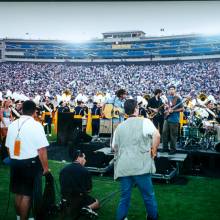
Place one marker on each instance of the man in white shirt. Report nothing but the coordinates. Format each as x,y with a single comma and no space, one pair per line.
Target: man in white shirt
135,144
27,144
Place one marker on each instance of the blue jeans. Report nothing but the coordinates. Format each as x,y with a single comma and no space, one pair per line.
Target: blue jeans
145,186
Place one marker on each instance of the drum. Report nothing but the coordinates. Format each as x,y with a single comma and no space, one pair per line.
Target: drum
210,127
194,132
196,121
201,113
208,124
218,132
186,113
217,147
185,131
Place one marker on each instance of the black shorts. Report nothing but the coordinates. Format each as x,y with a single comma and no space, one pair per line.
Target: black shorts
25,176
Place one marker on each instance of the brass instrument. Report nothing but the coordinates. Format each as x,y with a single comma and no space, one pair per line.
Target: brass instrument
99,93
147,97
67,92
202,96
66,96
207,110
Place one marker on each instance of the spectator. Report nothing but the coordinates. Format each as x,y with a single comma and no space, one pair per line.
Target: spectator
137,79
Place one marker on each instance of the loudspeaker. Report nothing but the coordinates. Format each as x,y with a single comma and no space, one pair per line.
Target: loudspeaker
76,138
65,127
163,165
93,157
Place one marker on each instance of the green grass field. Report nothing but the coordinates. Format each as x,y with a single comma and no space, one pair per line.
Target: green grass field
199,199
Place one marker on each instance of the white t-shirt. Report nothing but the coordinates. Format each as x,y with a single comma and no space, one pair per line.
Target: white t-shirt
31,135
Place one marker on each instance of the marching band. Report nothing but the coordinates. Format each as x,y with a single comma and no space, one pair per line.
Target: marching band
201,112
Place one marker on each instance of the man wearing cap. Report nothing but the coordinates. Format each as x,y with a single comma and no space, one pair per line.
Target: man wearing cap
172,118
27,144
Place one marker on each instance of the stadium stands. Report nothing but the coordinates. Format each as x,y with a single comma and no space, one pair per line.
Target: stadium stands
100,73
138,79
175,46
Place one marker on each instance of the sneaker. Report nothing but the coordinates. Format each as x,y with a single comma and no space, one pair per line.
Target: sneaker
89,212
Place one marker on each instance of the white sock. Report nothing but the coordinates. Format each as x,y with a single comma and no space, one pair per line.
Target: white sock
18,217
31,218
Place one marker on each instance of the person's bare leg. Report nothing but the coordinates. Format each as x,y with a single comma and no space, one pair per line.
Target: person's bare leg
24,207
17,203
94,205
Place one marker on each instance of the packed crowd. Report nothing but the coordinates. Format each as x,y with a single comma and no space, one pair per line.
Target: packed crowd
188,76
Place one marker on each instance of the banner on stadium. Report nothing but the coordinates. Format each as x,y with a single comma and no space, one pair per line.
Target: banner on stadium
121,46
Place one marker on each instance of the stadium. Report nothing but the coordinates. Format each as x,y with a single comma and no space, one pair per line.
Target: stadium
114,53
72,85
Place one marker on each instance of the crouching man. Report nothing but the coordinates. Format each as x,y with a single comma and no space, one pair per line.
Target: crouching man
76,184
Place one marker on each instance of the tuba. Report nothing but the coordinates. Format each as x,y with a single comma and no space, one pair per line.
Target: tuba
66,96
202,96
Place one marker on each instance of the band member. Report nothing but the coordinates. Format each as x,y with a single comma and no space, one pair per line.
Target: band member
172,118
79,113
79,110
63,107
142,110
117,102
211,110
96,114
17,111
48,109
156,107
142,104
